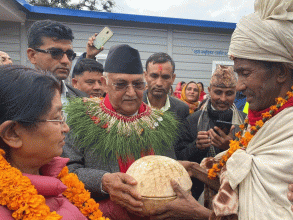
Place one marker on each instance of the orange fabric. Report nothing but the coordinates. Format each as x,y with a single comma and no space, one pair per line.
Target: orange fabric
192,105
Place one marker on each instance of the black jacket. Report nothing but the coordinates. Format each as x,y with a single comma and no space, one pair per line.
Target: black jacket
179,108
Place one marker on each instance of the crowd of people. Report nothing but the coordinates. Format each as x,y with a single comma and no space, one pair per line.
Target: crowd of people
65,148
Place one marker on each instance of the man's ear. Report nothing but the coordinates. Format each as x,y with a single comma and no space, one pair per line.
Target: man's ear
104,84
9,132
284,74
31,55
173,77
74,82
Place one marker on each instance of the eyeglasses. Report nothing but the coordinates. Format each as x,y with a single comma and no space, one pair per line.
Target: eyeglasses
124,85
58,54
61,121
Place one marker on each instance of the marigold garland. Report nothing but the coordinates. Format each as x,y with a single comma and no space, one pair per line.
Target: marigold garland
20,196
242,139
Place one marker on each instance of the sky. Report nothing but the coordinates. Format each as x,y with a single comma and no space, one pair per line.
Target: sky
212,10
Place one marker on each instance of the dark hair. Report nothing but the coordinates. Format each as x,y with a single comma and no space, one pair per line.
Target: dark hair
47,28
160,58
182,82
26,94
190,83
87,65
201,85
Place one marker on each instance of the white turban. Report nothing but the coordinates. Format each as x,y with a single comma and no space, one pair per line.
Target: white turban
265,35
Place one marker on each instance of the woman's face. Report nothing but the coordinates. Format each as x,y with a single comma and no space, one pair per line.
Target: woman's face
191,92
199,86
182,85
45,142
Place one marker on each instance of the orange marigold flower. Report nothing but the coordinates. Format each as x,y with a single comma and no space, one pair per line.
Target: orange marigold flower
289,94
241,126
274,108
291,87
63,172
246,121
280,101
238,134
266,115
259,123
212,174
253,128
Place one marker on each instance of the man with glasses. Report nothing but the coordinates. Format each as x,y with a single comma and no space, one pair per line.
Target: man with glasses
113,132
50,49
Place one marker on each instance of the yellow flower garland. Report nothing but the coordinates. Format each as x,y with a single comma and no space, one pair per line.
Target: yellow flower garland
20,196
242,140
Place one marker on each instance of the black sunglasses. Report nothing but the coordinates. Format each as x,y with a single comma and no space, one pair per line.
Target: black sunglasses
58,54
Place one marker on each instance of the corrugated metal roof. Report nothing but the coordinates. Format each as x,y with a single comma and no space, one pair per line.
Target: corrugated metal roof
125,17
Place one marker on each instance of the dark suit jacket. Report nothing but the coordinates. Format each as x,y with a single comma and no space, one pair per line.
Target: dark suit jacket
179,108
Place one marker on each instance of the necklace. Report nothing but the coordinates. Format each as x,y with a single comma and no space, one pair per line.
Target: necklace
20,196
243,138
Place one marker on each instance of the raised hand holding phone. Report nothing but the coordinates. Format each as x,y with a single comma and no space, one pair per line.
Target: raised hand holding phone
103,37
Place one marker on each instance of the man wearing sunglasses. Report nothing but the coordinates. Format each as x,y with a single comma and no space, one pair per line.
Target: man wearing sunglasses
113,132
50,49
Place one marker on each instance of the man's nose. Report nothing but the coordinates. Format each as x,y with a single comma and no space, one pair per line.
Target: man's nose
97,85
65,59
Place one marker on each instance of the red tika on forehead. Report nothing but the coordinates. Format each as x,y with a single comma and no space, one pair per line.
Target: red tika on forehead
160,67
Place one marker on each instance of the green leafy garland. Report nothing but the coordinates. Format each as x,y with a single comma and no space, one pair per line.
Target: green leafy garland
114,135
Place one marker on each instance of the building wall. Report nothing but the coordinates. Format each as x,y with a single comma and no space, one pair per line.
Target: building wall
193,52
10,39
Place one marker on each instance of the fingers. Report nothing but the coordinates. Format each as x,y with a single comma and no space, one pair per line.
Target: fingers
178,189
203,140
219,130
126,200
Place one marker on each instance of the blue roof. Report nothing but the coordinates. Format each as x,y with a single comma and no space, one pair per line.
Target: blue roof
125,17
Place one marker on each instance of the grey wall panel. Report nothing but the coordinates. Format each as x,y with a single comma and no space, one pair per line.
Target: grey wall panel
194,54
10,39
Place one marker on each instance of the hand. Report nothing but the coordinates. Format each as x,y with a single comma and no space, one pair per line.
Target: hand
203,140
290,194
121,188
188,166
91,50
183,207
222,140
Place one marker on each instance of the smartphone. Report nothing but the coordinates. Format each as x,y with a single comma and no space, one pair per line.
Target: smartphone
224,126
103,37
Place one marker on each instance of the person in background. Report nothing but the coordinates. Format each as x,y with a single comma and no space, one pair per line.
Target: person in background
202,95
50,49
160,75
5,59
200,137
34,183
178,89
190,95
86,77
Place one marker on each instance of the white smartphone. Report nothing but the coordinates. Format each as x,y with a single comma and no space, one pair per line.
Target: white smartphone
103,37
